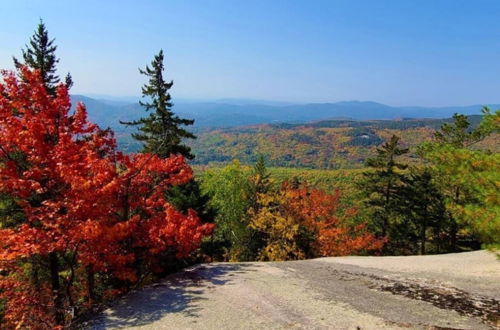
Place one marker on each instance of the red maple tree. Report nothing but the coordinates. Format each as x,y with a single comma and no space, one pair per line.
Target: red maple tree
88,213
336,234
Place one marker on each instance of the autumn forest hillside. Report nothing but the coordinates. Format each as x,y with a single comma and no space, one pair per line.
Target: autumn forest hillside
327,144
316,135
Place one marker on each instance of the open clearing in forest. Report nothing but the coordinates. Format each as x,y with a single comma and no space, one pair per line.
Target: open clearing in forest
451,291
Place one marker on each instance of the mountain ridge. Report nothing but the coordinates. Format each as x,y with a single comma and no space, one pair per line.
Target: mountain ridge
215,114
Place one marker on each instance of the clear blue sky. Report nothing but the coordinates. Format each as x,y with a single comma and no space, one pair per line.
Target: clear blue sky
400,52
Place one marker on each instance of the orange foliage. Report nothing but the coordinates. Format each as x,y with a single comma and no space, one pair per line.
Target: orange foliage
301,222
322,214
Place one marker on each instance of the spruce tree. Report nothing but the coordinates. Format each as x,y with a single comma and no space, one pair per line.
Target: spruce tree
40,54
260,181
423,208
162,132
381,186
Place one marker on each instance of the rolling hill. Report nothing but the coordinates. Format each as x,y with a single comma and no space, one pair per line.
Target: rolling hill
326,135
329,144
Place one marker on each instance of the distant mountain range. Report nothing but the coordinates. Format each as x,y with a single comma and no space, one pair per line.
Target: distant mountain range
233,112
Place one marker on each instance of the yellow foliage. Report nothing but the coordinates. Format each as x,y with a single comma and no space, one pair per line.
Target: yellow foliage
282,230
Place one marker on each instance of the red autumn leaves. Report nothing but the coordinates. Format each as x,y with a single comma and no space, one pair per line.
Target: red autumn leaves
81,200
321,214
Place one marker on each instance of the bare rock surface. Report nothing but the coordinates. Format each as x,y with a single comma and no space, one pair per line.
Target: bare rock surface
451,291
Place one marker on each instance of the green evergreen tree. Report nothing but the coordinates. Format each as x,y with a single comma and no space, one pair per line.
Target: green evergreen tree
459,134
381,185
466,176
260,181
190,196
40,54
423,208
162,132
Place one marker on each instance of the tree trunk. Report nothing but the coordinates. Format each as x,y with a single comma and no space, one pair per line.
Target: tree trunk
90,285
56,288
453,236
35,276
439,240
422,239
454,226
386,216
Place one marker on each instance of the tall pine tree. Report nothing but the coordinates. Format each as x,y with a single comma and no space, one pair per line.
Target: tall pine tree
382,184
40,54
452,158
162,132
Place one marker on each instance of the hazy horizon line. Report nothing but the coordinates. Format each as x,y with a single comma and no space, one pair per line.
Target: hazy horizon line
130,98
